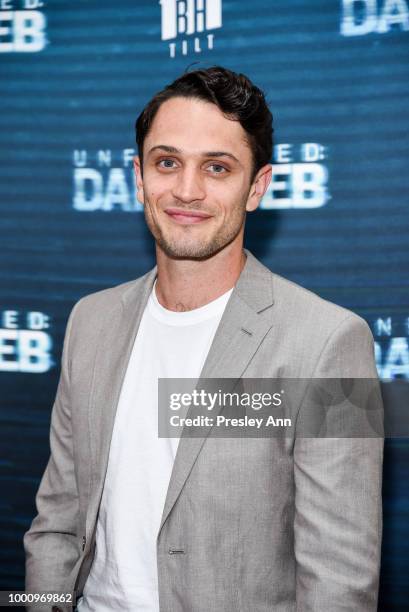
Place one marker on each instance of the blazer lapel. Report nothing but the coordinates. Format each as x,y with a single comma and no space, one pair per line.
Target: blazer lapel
245,322
112,356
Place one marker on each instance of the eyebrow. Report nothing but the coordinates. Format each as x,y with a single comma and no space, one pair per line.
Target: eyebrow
170,149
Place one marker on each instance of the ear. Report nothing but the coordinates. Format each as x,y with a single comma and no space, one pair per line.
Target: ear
138,178
259,187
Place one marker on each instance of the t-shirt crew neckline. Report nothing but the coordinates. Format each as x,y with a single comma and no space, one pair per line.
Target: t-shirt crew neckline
188,317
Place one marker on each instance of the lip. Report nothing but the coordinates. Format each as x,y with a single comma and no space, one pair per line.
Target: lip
186,217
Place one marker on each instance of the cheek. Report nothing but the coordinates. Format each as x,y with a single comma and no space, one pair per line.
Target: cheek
232,203
157,192
222,196
151,194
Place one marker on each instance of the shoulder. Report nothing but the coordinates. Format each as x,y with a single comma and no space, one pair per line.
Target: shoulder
307,307
292,303
98,305
303,323
333,340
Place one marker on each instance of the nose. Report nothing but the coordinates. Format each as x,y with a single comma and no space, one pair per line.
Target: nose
188,185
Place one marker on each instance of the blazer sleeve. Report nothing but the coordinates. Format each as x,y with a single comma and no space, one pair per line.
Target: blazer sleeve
52,544
338,503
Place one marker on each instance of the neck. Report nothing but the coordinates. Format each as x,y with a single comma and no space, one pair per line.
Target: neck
185,284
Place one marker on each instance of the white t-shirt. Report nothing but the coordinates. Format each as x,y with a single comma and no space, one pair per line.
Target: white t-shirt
169,344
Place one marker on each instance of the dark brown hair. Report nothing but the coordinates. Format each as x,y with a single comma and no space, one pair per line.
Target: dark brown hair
235,95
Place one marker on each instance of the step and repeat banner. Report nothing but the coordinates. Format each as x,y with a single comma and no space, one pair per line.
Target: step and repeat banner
74,77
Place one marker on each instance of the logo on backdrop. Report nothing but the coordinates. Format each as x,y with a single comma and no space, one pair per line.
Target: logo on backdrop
105,181
360,17
22,26
299,177
25,346
188,21
392,347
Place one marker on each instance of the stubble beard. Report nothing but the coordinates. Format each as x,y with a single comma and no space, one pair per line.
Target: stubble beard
196,249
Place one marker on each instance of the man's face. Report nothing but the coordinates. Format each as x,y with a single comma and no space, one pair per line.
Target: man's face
196,179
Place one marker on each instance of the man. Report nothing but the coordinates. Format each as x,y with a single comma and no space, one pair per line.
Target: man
136,522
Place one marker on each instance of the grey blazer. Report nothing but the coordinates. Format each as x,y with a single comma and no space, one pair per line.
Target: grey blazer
275,524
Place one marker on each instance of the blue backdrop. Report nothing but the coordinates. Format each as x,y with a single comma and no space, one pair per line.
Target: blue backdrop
74,77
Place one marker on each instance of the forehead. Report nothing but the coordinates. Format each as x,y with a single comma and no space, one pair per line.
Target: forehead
196,125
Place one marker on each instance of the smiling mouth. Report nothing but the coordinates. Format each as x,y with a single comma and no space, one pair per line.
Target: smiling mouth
187,217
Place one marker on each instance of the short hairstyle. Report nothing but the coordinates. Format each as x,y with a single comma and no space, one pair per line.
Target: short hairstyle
235,95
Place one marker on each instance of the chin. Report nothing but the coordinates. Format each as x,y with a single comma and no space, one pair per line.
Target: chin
183,250
192,250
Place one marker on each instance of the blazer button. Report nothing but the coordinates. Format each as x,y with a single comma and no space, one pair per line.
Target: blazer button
176,551
84,541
